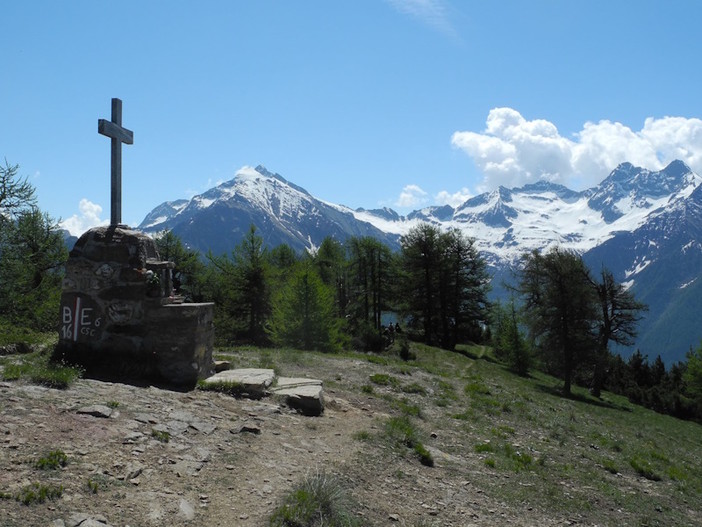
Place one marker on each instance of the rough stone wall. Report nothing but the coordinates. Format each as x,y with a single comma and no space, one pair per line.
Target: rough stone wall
117,318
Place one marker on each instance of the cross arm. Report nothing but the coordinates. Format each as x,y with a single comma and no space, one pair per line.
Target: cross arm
115,131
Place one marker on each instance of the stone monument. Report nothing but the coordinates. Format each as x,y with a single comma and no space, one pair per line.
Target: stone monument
120,316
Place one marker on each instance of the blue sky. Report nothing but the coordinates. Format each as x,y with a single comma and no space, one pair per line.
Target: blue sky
367,103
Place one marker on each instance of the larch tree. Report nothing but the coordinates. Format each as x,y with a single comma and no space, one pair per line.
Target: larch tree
560,308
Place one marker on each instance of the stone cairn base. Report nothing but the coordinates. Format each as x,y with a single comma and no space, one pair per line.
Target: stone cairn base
120,316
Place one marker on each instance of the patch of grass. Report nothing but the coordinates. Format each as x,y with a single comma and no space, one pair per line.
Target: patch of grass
415,388
375,359
318,500
38,493
423,454
383,379
112,404
401,431
407,408
38,368
446,391
367,388
476,387
53,460
610,466
519,460
677,473
502,431
490,462
482,448
643,468
362,435
161,435
233,388
23,337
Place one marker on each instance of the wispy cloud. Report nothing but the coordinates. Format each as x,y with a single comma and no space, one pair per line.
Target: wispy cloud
88,217
430,12
512,150
411,196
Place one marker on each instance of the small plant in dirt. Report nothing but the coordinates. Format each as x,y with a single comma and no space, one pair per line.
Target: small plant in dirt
92,486
362,435
161,435
401,431
53,460
38,493
320,499
415,388
113,404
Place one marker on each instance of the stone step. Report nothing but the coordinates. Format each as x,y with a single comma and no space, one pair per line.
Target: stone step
251,382
300,393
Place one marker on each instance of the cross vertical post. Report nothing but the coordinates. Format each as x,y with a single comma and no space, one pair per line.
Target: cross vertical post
118,135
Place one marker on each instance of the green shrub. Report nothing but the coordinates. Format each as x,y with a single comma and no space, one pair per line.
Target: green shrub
52,461
319,500
38,493
161,435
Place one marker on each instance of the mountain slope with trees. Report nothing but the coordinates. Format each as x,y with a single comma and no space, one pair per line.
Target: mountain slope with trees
641,224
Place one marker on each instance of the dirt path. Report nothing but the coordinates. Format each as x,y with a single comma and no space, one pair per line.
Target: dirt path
227,462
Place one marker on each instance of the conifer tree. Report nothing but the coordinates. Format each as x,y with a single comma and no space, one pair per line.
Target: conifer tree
304,313
560,309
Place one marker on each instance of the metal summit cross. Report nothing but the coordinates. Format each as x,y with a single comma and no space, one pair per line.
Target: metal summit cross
113,129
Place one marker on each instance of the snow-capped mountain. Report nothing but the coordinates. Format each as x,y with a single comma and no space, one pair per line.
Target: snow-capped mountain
281,211
507,222
641,224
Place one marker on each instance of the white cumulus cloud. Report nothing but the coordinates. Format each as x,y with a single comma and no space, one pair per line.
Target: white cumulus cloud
88,218
512,150
457,198
411,196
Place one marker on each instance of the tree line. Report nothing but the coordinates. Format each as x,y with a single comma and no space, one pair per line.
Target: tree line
562,317
340,294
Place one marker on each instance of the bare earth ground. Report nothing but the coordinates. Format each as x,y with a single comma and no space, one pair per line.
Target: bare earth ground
230,462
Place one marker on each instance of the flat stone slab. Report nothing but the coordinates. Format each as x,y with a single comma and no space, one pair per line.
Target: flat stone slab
251,381
301,393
